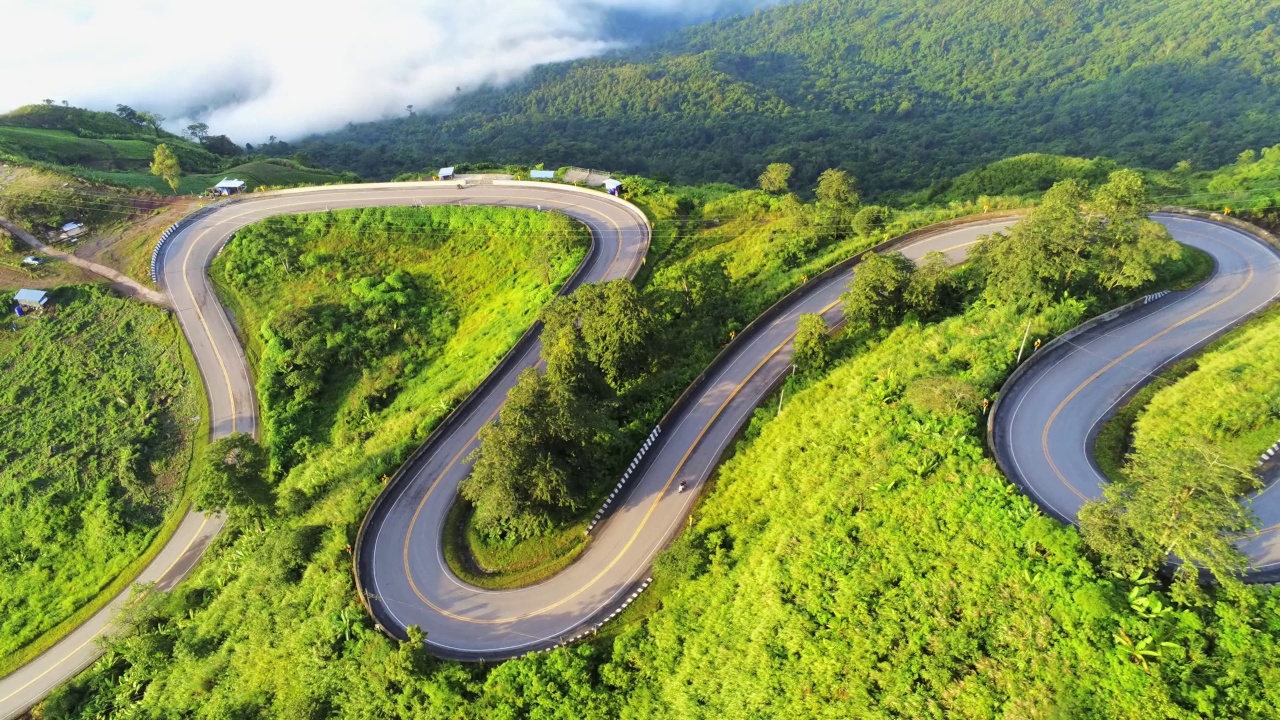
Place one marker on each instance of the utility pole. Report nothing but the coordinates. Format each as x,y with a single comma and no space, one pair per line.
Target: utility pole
783,394
1024,343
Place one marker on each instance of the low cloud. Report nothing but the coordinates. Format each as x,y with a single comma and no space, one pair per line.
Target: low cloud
282,68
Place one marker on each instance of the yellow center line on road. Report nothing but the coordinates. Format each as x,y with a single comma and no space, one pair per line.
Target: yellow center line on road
82,645
1044,436
639,529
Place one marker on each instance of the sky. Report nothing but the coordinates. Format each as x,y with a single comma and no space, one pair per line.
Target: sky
251,69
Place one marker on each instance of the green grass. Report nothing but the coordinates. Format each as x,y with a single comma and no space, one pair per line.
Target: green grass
95,473
258,174
496,567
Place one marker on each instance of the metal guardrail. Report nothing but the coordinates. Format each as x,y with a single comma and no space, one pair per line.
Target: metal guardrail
634,468
158,251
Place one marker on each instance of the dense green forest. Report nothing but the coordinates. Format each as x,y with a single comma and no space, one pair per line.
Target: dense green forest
901,93
104,409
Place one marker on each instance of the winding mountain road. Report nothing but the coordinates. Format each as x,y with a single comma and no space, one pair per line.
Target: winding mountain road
1043,429
1047,420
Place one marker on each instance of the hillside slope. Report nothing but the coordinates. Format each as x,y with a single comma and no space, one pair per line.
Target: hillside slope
901,92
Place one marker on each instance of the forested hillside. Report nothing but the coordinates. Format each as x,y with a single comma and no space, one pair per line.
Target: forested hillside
899,92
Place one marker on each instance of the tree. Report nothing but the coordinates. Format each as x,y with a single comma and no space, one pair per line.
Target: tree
48,101
234,477
128,113
165,164
811,343
614,324
932,291
198,131
837,204
775,178
222,145
533,461
617,326
874,299
1131,246
409,108
837,188
870,219
1042,254
1182,501
151,120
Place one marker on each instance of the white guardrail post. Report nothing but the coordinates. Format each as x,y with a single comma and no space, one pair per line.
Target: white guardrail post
653,437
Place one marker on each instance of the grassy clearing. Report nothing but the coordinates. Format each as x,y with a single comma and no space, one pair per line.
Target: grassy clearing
494,567
258,174
94,474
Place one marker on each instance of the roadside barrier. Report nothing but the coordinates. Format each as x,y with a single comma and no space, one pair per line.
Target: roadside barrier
1270,453
595,628
1147,300
632,469
174,229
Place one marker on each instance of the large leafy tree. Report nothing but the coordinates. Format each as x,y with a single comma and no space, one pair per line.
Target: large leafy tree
1076,241
875,298
164,164
234,477
533,463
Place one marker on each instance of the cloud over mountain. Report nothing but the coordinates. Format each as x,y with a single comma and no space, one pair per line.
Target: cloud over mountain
284,68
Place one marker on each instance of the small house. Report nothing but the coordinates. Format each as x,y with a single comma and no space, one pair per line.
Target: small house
613,187
446,173
30,301
72,230
229,186
543,174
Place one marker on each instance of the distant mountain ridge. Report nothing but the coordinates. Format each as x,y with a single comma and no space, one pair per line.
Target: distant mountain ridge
900,92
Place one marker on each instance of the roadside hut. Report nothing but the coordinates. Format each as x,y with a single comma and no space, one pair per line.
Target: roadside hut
229,186
72,230
446,173
30,301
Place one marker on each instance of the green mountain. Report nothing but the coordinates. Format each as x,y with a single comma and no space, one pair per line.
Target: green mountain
900,92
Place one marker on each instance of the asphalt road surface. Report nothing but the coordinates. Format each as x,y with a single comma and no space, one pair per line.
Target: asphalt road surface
401,563
1046,423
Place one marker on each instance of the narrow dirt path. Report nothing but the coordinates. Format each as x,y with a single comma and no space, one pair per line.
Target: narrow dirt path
118,280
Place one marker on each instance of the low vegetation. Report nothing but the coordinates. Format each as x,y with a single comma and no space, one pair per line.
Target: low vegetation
104,411
858,555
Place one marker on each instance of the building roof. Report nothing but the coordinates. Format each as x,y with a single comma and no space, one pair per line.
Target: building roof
543,174
72,226
446,171
31,297
229,184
